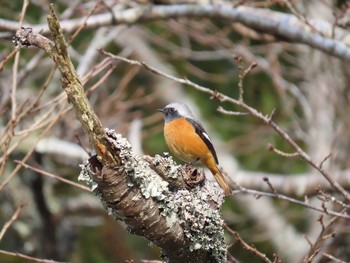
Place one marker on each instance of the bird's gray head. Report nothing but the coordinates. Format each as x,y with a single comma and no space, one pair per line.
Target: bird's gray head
176,110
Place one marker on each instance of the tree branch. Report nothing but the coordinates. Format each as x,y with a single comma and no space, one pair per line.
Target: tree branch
13,219
285,26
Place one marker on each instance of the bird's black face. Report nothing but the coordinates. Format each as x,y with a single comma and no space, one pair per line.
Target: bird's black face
170,113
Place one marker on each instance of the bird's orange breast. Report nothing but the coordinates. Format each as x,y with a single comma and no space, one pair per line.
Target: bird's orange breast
184,142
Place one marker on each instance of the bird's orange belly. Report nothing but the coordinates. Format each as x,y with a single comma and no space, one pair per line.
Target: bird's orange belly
184,142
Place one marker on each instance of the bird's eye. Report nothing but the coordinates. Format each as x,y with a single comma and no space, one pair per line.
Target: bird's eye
171,109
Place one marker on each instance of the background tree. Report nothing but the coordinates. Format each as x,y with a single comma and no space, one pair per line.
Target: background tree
298,86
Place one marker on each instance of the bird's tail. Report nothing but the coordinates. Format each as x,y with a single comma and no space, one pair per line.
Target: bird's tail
223,184
210,163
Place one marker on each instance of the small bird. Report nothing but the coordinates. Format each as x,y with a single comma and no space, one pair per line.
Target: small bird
187,139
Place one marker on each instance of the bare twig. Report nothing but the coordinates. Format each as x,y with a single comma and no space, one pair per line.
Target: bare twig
58,178
297,185
247,246
266,179
83,25
233,113
62,111
301,17
329,256
242,73
7,58
328,198
15,67
324,234
101,80
32,259
324,160
272,148
258,194
12,219
14,89
23,11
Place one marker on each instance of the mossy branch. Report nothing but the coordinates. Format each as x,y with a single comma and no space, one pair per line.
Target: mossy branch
57,50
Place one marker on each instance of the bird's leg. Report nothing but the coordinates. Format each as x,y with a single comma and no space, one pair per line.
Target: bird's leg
191,164
194,162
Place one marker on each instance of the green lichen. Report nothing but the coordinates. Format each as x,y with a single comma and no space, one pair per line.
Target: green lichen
172,168
85,175
138,170
202,223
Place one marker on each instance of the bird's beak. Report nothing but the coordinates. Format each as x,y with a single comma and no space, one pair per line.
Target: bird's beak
161,110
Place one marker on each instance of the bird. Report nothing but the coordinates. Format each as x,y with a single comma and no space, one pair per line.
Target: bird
187,140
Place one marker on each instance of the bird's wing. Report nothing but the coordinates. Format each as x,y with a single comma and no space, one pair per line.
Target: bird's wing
204,136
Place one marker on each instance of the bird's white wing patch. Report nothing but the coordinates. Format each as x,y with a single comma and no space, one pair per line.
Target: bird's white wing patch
206,136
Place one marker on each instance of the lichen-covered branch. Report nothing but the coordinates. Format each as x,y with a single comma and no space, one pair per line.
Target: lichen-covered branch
57,50
185,223
173,207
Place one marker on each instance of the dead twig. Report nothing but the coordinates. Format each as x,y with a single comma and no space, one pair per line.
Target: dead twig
58,178
32,259
259,194
246,246
12,219
272,148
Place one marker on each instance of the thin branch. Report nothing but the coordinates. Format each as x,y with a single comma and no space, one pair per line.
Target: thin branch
328,198
242,73
266,179
14,89
232,113
12,219
329,256
32,259
31,150
291,184
58,178
23,12
324,160
272,148
301,17
247,246
258,194
7,58
15,68
83,25
325,231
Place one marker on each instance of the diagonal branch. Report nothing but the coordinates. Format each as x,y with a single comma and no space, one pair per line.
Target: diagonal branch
12,219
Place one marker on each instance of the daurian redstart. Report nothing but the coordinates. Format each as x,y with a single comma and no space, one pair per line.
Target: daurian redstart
187,139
